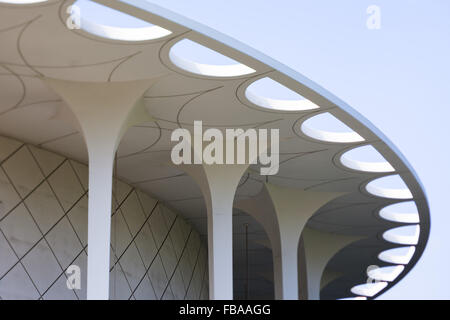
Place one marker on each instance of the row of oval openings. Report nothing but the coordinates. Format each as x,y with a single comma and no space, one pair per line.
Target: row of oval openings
267,93
326,127
106,22
405,235
367,158
380,277
188,55
109,23
112,24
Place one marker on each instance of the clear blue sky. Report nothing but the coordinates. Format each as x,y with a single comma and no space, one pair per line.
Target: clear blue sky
398,77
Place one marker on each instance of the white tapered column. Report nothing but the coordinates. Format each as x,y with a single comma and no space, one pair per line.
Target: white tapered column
218,184
320,247
104,112
218,181
283,213
293,207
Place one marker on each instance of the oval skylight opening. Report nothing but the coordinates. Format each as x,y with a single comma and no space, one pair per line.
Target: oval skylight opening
407,235
22,1
112,24
400,255
403,212
270,94
193,57
326,127
391,186
354,298
388,274
368,289
366,158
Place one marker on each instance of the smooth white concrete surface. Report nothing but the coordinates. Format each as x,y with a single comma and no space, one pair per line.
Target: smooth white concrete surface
218,184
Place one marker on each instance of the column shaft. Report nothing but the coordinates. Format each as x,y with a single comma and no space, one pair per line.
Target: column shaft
218,183
220,248
99,225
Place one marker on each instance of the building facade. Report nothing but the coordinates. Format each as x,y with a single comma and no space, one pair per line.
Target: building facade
92,93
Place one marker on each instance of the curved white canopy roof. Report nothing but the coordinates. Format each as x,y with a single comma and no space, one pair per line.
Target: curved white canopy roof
190,90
